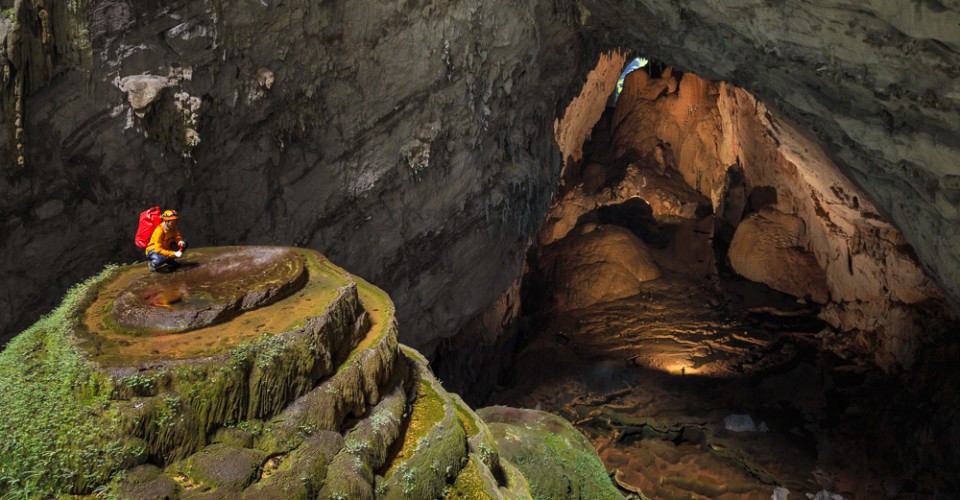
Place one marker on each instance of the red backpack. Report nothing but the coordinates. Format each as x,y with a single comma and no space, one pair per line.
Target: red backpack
149,220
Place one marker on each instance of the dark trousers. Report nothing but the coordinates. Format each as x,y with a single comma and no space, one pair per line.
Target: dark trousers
157,260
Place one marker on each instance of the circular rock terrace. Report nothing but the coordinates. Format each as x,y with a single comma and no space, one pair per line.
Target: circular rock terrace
139,316
211,287
259,372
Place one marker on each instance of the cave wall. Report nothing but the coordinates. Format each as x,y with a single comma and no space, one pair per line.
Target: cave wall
412,142
876,83
859,266
877,290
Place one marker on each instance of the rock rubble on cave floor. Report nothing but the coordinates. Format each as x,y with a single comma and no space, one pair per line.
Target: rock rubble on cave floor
650,379
656,380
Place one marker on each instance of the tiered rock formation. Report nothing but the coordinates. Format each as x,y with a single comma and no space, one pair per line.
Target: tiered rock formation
304,392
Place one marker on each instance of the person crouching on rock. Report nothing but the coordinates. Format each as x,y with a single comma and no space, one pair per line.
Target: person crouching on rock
160,249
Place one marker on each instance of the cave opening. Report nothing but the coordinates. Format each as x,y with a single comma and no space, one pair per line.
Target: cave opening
719,308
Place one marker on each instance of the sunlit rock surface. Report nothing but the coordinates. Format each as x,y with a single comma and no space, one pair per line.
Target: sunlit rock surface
710,160
768,248
301,394
874,82
597,265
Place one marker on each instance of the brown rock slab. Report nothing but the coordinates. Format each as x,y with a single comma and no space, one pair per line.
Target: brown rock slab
599,265
768,248
212,285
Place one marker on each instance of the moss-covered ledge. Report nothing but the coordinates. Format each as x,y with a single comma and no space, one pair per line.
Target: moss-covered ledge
309,396
556,459
73,413
432,449
60,430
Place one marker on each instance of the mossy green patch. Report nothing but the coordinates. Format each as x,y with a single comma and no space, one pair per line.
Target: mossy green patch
517,485
222,466
143,481
427,412
467,419
470,483
556,459
434,449
351,473
298,474
59,431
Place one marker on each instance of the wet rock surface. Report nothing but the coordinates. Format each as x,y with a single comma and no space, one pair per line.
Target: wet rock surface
210,286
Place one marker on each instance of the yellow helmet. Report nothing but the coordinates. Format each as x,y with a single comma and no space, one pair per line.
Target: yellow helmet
169,215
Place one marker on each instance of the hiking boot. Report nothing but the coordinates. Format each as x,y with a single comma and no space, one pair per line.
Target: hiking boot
153,268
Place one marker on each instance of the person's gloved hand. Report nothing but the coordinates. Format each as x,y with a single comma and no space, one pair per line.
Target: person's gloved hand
183,245
178,254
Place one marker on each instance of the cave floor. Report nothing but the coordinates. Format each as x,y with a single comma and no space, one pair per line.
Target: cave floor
652,379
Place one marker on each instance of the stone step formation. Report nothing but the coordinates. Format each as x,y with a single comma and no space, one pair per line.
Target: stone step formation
258,372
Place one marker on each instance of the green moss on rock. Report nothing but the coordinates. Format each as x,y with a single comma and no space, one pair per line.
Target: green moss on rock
356,383
221,466
517,485
351,474
434,443
474,481
261,417
146,481
556,459
58,429
297,475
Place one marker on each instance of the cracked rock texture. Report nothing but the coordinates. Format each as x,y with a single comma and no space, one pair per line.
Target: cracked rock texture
413,142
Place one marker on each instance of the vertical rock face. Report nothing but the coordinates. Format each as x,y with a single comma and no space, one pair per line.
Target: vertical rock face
411,141
768,247
875,82
414,142
791,219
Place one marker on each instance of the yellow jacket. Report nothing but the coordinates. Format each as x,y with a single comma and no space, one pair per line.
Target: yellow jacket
162,241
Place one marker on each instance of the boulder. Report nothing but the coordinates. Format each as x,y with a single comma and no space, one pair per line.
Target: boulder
557,460
768,248
597,264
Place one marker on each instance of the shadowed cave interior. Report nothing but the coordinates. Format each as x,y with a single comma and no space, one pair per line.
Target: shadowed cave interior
686,307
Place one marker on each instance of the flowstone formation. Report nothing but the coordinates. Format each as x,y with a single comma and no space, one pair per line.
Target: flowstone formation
256,372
